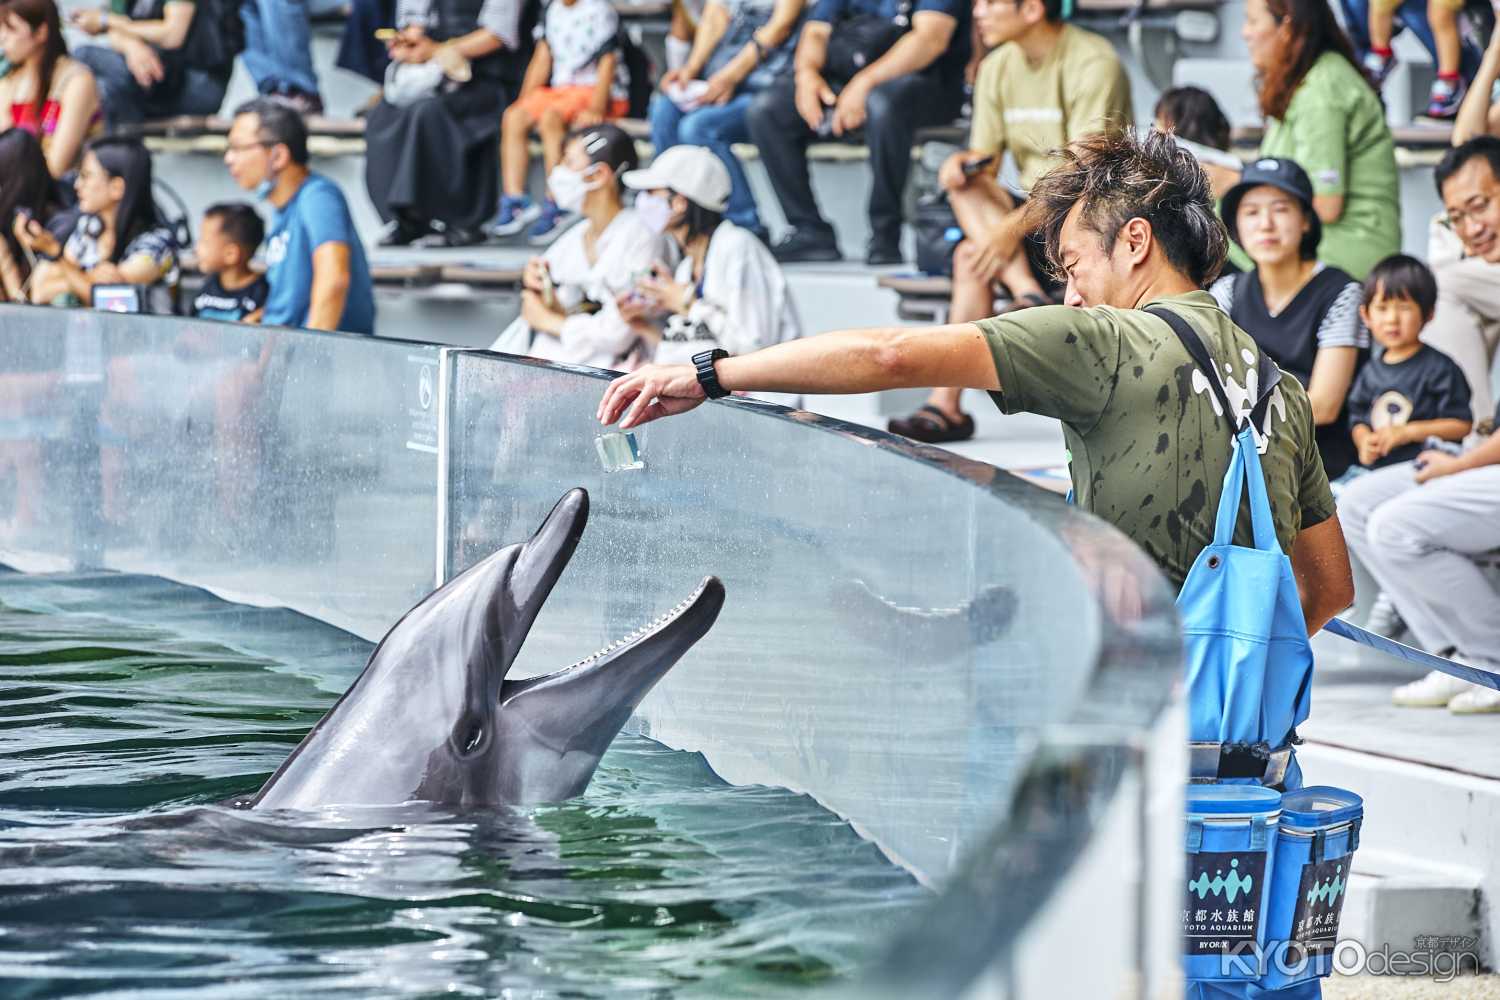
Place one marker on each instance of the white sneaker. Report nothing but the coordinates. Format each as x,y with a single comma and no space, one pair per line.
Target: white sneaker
1383,618
1433,691
1475,701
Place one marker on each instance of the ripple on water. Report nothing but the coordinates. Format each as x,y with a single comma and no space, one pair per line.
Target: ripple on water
120,875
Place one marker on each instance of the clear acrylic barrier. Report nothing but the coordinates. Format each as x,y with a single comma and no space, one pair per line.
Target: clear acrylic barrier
956,662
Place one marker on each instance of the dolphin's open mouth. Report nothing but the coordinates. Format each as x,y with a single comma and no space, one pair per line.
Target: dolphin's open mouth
660,625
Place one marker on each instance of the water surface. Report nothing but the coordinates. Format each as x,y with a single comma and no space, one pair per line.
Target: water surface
130,707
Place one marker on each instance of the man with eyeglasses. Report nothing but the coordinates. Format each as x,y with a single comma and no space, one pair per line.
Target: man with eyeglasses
315,263
1465,256
1044,84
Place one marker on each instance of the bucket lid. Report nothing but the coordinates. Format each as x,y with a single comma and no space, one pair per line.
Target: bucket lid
1320,805
1231,800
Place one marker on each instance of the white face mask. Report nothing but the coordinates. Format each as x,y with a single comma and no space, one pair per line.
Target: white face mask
654,210
568,188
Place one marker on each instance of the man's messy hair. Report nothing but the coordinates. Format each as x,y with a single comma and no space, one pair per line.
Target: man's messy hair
1118,176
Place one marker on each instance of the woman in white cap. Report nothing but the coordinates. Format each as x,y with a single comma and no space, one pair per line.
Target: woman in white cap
569,293
728,291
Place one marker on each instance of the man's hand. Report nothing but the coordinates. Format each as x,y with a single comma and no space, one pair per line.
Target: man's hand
849,110
36,237
144,64
650,393
90,22
1435,464
813,97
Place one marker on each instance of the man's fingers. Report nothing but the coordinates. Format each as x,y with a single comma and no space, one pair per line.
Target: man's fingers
636,414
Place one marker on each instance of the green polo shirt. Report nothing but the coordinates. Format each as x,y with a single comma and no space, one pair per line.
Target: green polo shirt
1148,452
1335,129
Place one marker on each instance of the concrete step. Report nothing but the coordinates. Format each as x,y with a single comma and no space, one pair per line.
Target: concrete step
1398,902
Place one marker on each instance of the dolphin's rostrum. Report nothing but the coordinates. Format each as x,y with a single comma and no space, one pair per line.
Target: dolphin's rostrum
433,718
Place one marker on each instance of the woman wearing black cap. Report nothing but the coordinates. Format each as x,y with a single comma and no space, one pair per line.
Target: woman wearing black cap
1303,313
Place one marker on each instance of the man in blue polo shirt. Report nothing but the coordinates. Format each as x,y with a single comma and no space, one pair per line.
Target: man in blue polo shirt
888,67
315,263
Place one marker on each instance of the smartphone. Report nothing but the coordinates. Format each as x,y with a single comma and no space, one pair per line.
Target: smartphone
548,292
974,167
385,34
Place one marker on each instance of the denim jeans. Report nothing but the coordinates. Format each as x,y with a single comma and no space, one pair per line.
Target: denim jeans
1412,14
125,101
278,45
716,127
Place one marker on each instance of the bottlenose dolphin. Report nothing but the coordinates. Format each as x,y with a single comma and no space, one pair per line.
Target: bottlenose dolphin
433,718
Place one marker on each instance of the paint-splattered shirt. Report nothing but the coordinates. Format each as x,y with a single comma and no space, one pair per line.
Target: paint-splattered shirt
1148,449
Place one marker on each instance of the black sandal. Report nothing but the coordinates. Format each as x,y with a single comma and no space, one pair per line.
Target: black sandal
931,425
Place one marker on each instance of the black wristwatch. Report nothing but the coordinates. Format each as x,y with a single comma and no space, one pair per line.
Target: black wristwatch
707,377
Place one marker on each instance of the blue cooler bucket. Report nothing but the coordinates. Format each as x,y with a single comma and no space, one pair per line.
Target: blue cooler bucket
1314,848
1231,845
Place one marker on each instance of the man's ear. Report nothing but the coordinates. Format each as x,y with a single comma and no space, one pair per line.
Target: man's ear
1136,240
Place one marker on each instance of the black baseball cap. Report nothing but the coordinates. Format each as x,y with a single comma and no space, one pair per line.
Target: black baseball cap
1284,175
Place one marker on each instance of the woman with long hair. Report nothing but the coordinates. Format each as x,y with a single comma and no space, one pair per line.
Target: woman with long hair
120,238
26,192
49,94
1323,112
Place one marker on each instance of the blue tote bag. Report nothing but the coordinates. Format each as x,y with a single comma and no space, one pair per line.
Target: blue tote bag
1249,664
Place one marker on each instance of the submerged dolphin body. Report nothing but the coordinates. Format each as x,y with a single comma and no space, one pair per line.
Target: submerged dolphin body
433,718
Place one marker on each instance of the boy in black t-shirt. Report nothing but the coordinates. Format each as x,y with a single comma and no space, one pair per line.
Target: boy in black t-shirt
227,240
1410,392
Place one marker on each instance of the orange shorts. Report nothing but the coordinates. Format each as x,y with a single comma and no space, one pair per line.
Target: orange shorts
568,102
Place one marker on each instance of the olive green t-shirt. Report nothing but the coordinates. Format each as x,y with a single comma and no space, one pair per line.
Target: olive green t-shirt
1029,110
1147,450
1335,129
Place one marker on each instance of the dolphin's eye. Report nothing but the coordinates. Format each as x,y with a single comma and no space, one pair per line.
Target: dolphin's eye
468,735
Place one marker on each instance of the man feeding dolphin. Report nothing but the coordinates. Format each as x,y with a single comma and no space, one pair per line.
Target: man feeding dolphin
434,718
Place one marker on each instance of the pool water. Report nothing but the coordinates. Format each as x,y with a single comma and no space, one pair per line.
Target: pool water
130,707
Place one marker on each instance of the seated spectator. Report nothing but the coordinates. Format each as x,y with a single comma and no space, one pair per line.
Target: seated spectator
120,238
1045,85
278,52
26,192
1480,113
46,93
1305,314
728,291
1322,112
431,155
1464,249
315,263
1192,114
1401,14
163,58
230,234
1448,88
569,309
576,79
1419,527
742,46
1409,392
883,67
360,51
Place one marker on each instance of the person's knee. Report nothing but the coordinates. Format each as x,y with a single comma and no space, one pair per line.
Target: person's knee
966,269
551,123
765,109
887,104
696,130
1399,528
515,121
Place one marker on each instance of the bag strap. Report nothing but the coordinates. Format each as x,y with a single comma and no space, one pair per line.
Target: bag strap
1244,466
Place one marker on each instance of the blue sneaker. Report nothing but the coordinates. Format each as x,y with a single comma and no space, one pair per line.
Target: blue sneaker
1445,98
516,212
549,224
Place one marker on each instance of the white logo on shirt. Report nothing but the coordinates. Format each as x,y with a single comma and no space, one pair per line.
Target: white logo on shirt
276,249
1040,116
1242,399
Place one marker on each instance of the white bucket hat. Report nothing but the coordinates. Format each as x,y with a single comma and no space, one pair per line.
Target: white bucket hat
692,171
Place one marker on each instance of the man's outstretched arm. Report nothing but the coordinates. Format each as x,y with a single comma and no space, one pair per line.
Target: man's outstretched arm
846,361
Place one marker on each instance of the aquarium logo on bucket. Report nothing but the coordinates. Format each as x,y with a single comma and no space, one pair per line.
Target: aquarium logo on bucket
1441,958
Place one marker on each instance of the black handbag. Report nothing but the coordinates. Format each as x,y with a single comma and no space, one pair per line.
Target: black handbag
937,232
858,41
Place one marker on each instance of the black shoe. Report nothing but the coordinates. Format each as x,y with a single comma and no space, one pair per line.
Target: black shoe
801,248
402,234
457,236
300,101
883,253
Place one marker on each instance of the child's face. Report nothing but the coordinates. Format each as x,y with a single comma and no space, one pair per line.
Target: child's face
1394,323
216,253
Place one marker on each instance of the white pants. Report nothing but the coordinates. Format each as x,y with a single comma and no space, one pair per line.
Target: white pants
1419,542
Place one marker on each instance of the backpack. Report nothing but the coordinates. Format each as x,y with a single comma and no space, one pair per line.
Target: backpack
216,36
